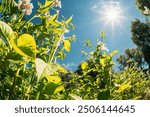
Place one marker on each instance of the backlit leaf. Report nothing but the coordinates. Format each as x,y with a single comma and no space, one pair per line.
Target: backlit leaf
103,62
54,79
103,34
54,17
6,29
46,6
113,53
40,66
84,65
69,20
75,97
13,38
123,87
25,45
62,70
58,89
47,70
67,45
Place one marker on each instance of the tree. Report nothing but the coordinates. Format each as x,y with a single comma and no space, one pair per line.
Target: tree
143,6
131,57
141,37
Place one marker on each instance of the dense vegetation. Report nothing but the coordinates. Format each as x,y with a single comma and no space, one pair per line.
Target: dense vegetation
29,53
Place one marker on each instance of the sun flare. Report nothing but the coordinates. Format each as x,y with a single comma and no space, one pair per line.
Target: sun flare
112,14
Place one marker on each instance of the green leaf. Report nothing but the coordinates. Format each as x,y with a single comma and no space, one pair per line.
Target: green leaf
113,53
69,20
43,69
57,30
50,88
54,23
5,32
45,8
6,29
53,88
103,34
67,45
25,45
75,97
54,17
123,87
103,62
62,70
54,79
58,89
15,58
104,95
84,65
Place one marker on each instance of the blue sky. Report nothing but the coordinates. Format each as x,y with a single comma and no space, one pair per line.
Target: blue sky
88,23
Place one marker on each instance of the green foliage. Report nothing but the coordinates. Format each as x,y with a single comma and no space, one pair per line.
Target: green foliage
141,37
27,50
130,58
29,53
132,79
142,5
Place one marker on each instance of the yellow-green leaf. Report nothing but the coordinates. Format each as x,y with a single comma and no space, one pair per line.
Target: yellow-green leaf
123,87
54,17
62,70
44,69
27,44
54,23
103,62
46,6
58,89
54,79
103,34
67,45
113,53
84,65
48,3
75,97
69,20
13,38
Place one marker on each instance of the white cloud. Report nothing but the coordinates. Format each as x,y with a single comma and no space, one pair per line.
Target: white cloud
94,7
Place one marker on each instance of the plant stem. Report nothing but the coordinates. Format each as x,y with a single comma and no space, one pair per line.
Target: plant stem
14,83
37,96
54,49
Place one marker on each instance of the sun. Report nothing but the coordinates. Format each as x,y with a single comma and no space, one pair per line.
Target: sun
112,14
